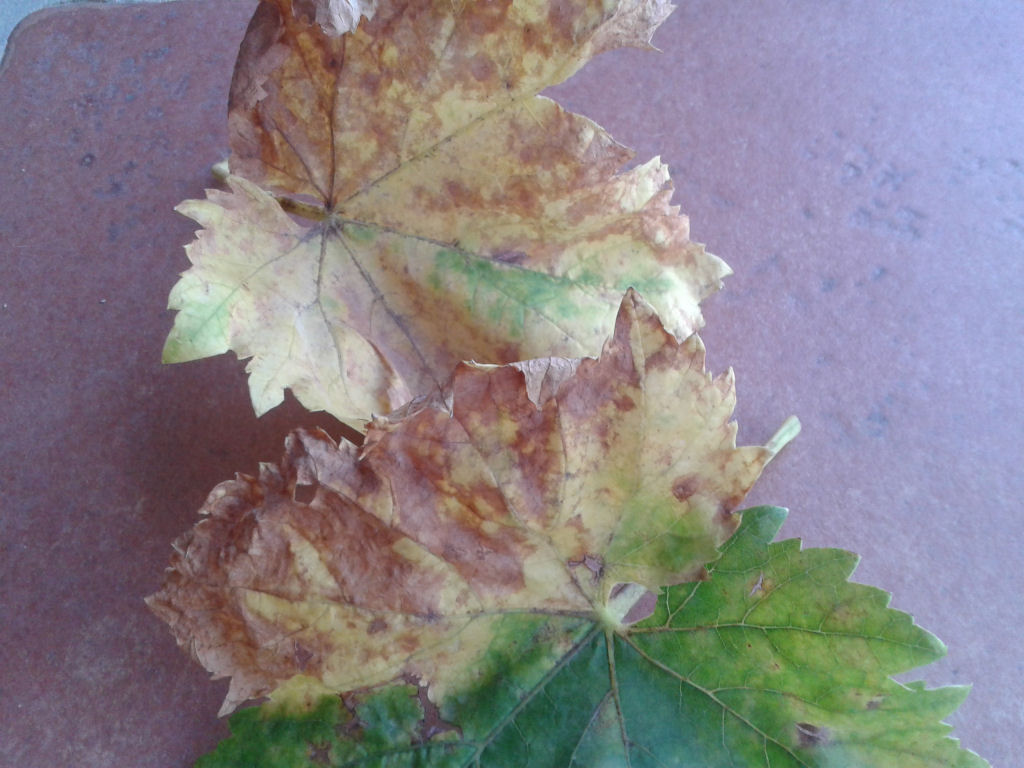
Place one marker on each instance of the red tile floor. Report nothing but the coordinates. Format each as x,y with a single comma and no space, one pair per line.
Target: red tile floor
860,166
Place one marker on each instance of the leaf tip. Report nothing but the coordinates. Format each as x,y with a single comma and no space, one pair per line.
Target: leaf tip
220,170
784,435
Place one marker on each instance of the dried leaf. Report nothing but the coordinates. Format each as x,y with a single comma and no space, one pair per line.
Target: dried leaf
526,493
404,200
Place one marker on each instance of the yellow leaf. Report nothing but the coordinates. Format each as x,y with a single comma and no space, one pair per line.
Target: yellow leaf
557,489
405,200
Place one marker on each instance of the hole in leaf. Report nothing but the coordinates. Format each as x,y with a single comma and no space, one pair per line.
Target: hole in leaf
304,493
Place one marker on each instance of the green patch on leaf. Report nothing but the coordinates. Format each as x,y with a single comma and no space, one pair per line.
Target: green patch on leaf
508,296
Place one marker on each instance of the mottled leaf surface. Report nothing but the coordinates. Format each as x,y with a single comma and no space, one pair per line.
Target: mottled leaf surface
403,200
775,660
512,507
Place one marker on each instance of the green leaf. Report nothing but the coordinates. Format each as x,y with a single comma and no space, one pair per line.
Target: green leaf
775,660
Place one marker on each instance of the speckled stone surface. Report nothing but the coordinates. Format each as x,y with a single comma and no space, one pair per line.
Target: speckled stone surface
859,164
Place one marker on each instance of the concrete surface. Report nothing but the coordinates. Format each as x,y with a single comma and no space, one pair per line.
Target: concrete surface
12,12
859,164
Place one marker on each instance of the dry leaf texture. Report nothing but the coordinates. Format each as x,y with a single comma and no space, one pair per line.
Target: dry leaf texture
336,17
530,489
404,200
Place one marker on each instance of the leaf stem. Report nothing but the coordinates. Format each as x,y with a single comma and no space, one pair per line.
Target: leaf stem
790,429
609,640
314,212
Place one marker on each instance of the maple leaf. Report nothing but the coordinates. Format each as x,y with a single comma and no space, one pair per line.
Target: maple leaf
405,200
525,496
775,660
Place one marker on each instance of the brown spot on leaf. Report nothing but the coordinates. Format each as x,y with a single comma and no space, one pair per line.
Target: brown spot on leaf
302,656
562,15
432,723
685,487
726,519
486,18
624,403
320,754
811,735
481,67
729,503
370,82
510,257
593,564
461,196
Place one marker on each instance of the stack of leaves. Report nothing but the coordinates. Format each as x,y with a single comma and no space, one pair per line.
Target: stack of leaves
534,562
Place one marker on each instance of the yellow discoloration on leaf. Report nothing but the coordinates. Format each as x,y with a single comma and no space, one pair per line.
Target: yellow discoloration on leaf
447,211
531,488
262,285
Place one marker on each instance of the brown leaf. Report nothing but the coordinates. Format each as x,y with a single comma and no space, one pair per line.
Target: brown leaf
533,488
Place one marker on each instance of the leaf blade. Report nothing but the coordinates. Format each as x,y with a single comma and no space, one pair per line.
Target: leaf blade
484,503
806,679
635,706
457,216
